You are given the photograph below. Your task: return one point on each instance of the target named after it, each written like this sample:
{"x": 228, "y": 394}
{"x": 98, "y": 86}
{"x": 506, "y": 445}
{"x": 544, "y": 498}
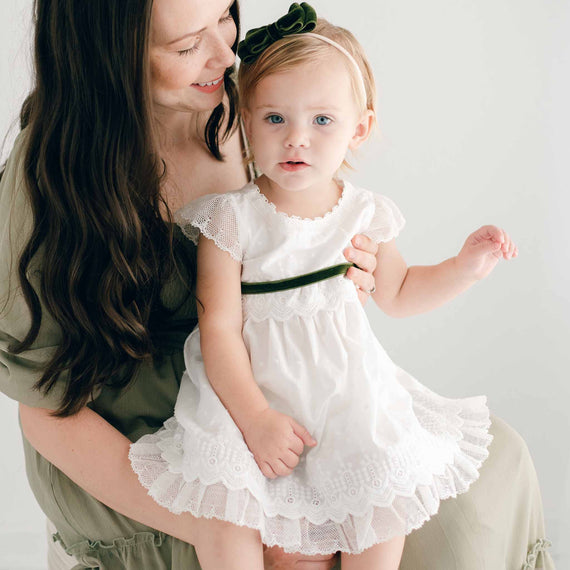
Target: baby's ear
{"x": 363, "y": 129}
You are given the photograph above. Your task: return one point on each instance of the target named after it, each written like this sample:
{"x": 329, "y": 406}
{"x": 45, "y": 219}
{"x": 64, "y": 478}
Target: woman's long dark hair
{"x": 93, "y": 177}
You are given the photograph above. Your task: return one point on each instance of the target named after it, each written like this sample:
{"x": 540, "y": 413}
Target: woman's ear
{"x": 363, "y": 129}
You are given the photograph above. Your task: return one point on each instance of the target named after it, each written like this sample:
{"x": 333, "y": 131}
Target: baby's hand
{"x": 276, "y": 441}
{"x": 482, "y": 251}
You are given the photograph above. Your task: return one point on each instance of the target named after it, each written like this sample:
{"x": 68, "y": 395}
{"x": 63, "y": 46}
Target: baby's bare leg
{"x": 383, "y": 556}
{"x": 277, "y": 559}
{"x": 224, "y": 546}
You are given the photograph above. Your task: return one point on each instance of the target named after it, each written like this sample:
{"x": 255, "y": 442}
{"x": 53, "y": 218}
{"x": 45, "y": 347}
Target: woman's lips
{"x": 293, "y": 165}
{"x": 209, "y": 86}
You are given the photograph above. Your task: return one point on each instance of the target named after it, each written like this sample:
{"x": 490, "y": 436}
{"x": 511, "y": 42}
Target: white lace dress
{"x": 388, "y": 448}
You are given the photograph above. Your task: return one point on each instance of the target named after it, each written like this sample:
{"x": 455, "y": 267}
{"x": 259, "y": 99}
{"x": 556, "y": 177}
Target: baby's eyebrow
{"x": 312, "y": 108}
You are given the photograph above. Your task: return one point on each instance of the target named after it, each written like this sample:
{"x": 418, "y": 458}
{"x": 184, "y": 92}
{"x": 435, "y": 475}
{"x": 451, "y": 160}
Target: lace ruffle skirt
{"x": 389, "y": 449}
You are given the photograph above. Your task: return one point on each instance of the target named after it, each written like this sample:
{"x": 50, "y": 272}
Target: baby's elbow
{"x": 392, "y": 307}
{"x": 388, "y": 307}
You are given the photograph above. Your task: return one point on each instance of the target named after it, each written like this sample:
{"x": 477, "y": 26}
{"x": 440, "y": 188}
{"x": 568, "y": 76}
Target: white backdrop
{"x": 473, "y": 128}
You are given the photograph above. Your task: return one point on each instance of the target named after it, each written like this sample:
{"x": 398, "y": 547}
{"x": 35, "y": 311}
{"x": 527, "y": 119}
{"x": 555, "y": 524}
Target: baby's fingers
{"x": 490, "y": 232}
{"x": 290, "y": 459}
{"x": 296, "y": 445}
{"x": 302, "y": 433}
{"x": 509, "y": 248}
{"x": 281, "y": 469}
{"x": 267, "y": 470}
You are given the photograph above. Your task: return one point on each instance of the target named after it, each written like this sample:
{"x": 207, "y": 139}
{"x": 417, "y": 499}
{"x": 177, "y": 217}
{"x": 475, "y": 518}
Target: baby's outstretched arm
{"x": 276, "y": 440}
{"x": 403, "y": 291}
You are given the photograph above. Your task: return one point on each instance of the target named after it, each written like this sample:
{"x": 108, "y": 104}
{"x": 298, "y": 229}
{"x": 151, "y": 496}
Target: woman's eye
{"x": 188, "y": 51}
{"x": 226, "y": 18}
{"x": 322, "y": 120}
{"x": 191, "y": 50}
{"x": 274, "y": 119}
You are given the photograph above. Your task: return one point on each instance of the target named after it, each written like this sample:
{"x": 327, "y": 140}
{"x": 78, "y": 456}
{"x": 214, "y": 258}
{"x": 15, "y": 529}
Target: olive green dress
{"x": 497, "y": 525}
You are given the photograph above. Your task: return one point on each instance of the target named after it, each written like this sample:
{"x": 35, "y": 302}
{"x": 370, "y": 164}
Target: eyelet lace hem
{"x": 375, "y": 503}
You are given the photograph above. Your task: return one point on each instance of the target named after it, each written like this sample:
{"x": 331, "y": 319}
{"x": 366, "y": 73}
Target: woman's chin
{"x": 198, "y": 103}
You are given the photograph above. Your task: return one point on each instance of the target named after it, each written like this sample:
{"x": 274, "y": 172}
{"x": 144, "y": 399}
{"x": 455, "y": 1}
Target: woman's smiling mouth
{"x": 209, "y": 86}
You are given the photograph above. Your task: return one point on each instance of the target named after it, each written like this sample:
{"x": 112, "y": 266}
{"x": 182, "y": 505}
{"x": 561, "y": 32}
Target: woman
{"x": 132, "y": 110}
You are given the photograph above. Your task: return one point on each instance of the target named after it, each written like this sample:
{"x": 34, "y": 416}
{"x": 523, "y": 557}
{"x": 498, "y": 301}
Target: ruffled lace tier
{"x": 358, "y": 509}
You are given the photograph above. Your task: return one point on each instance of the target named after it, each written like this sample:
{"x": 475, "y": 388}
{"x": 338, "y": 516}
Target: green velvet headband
{"x": 301, "y": 19}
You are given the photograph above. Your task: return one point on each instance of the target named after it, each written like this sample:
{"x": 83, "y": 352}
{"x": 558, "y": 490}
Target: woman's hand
{"x": 276, "y": 441}
{"x": 482, "y": 251}
{"x": 362, "y": 254}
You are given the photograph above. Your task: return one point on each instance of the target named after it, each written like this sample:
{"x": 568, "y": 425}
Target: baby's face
{"x": 301, "y": 123}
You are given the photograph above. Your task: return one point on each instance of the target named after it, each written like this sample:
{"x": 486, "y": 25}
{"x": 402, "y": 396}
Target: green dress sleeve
{"x": 19, "y": 373}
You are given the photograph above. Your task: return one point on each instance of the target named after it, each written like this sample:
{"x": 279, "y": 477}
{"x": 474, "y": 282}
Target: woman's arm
{"x": 275, "y": 439}
{"x": 403, "y": 291}
{"x": 94, "y": 455}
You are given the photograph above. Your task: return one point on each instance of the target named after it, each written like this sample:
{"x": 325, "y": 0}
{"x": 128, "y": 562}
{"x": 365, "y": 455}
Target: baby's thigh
{"x": 277, "y": 559}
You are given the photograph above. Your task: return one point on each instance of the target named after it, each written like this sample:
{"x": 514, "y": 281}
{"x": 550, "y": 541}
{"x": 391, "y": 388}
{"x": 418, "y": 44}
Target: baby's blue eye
{"x": 322, "y": 120}
{"x": 274, "y": 119}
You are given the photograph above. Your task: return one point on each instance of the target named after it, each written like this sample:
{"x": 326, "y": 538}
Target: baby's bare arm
{"x": 403, "y": 291}
{"x": 275, "y": 439}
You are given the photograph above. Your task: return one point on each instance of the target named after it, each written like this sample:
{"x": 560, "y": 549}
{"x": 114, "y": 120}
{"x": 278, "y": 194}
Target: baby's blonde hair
{"x": 291, "y": 51}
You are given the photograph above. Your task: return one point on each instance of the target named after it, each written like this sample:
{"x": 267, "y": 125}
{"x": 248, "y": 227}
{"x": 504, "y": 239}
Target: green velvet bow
{"x": 300, "y": 18}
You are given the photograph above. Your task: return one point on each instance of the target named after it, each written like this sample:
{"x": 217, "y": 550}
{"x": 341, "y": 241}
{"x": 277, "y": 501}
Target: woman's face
{"x": 190, "y": 49}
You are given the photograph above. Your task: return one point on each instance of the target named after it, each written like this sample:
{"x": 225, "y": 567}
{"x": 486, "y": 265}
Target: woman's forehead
{"x": 175, "y": 19}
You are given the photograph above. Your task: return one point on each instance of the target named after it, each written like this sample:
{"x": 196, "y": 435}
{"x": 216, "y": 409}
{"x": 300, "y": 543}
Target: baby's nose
{"x": 297, "y": 138}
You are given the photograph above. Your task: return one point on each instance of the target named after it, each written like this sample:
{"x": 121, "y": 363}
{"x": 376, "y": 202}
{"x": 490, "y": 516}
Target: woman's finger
{"x": 362, "y": 279}
{"x": 364, "y": 243}
{"x": 364, "y": 257}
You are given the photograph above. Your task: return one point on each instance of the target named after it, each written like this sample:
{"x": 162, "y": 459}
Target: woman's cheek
{"x": 169, "y": 74}
{"x": 230, "y": 34}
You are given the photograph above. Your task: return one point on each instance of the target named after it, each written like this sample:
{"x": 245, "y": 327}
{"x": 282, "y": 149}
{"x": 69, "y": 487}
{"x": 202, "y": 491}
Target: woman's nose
{"x": 222, "y": 54}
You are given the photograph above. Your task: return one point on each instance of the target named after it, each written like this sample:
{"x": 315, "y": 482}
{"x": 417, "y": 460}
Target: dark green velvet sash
{"x": 294, "y": 282}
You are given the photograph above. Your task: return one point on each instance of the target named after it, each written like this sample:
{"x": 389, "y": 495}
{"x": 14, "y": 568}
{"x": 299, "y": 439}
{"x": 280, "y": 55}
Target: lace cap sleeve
{"x": 214, "y": 217}
{"x": 387, "y": 220}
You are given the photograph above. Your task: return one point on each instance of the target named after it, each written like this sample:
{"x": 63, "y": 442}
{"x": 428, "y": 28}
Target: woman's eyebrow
{"x": 190, "y": 34}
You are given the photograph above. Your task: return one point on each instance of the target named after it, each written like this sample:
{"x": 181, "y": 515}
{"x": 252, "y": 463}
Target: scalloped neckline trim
{"x": 292, "y": 217}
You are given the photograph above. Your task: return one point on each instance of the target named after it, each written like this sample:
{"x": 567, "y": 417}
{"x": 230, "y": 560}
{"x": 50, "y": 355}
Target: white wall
{"x": 474, "y": 125}
{"x": 22, "y": 534}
